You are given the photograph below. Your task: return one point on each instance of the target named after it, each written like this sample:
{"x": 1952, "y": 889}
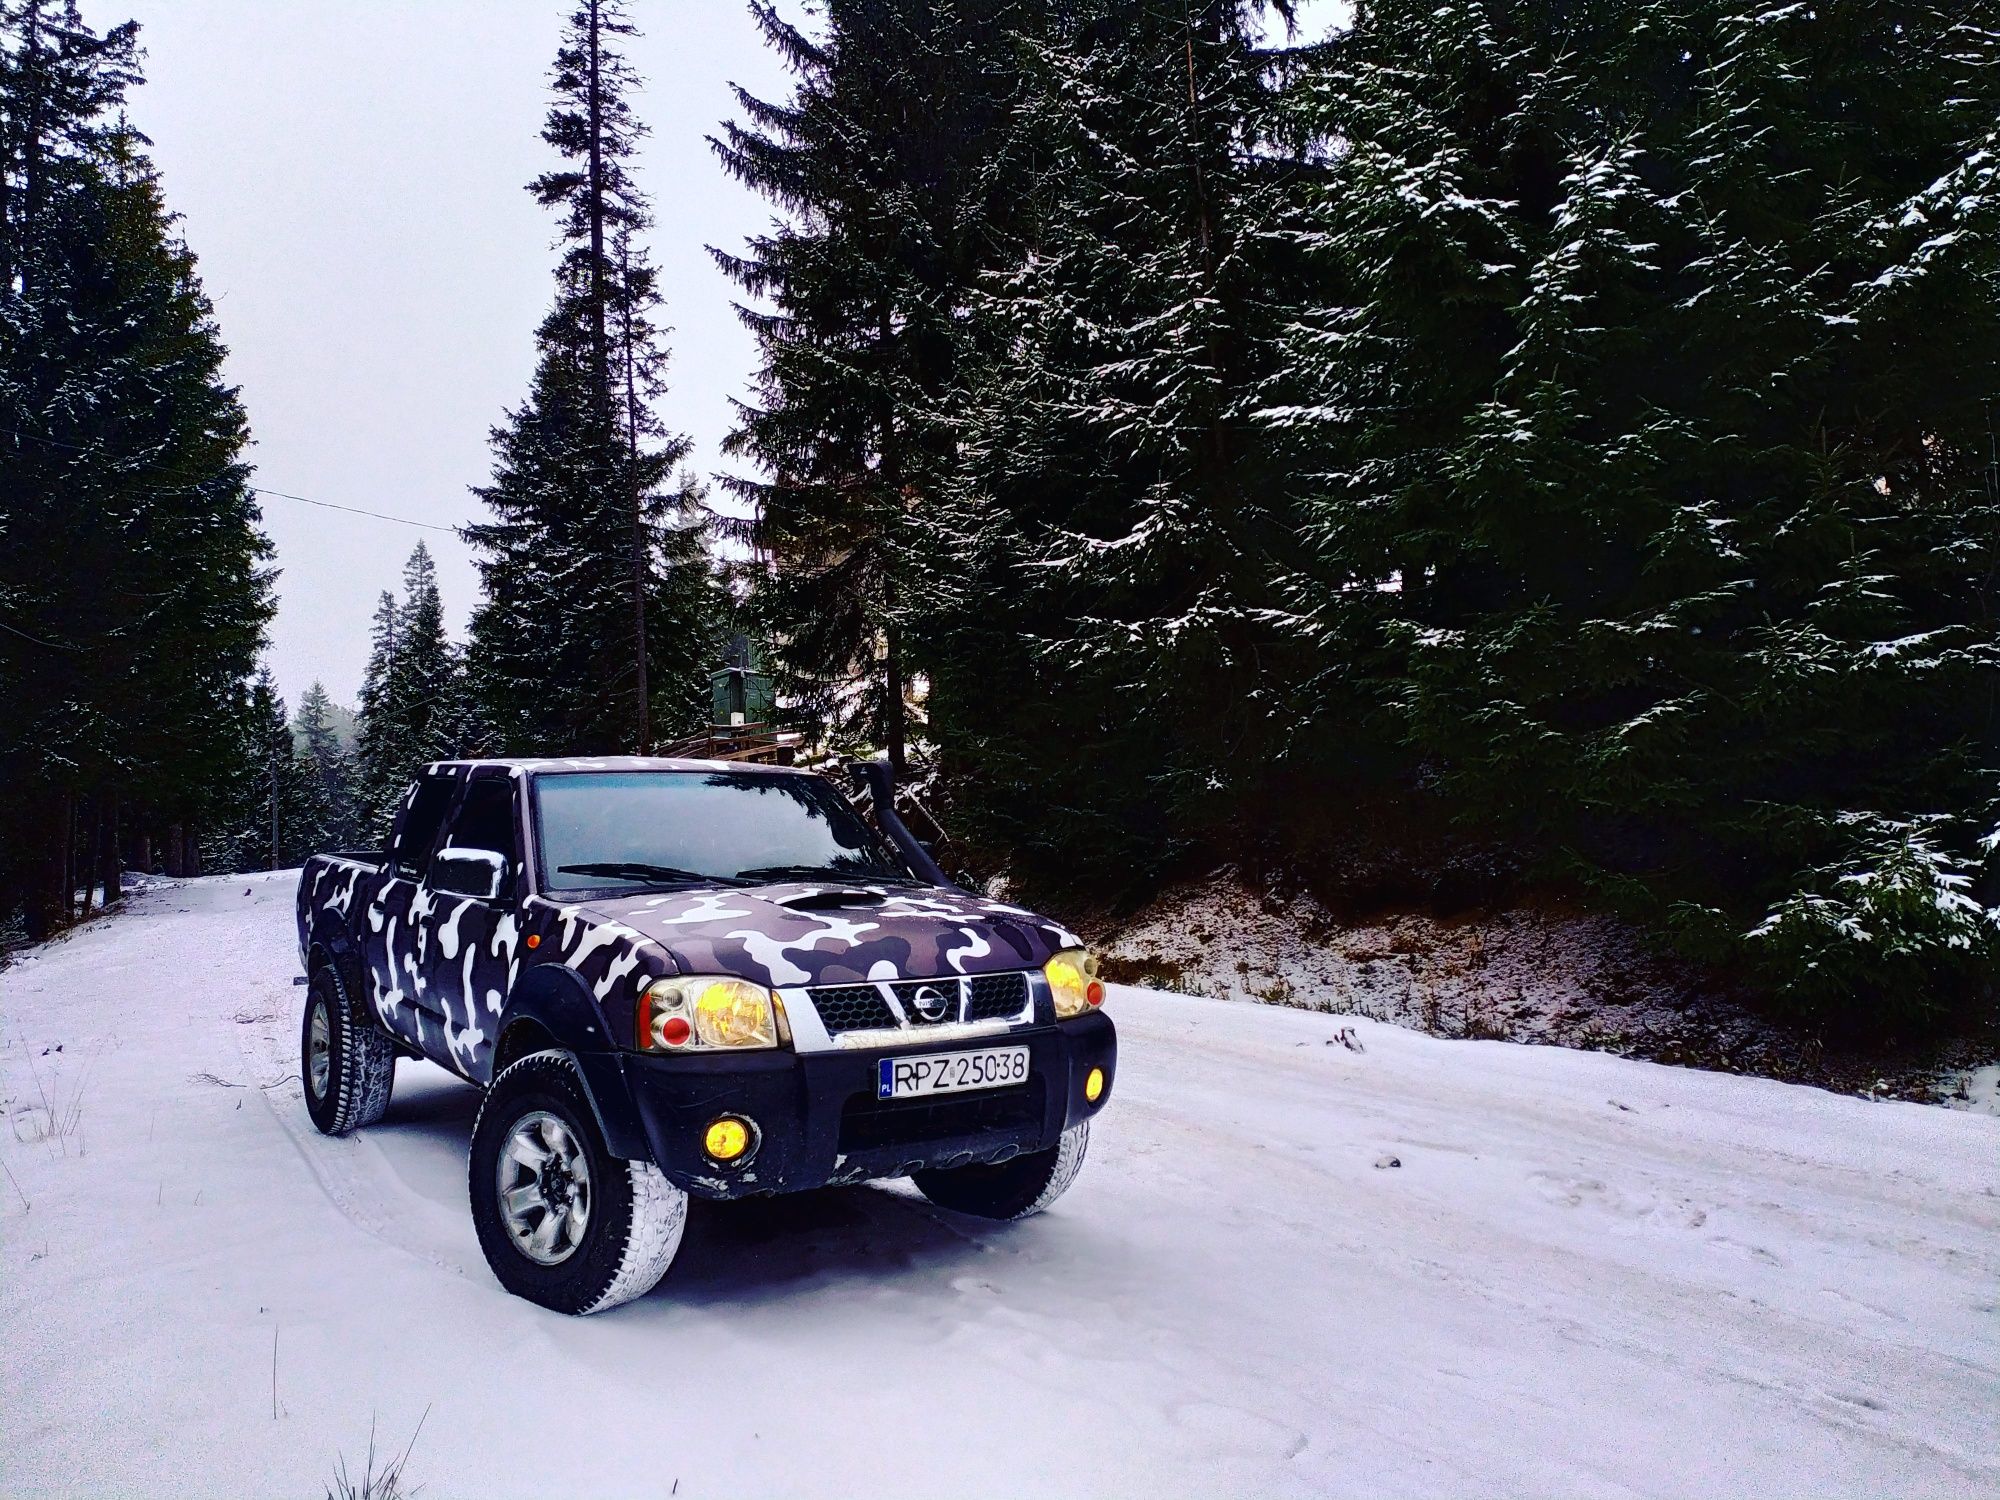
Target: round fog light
{"x": 726, "y": 1139}
{"x": 1093, "y": 1085}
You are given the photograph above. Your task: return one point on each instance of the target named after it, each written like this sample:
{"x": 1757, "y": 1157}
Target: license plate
{"x": 950, "y": 1072}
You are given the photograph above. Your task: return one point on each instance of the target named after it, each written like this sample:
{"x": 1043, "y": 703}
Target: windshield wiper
{"x": 819, "y": 872}
{"x": 610, "y": 870}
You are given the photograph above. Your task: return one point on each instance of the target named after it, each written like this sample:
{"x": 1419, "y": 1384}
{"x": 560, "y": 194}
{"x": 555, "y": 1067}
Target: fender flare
{"x": 332, "y": 944}
{"x": 559, "y": 1004}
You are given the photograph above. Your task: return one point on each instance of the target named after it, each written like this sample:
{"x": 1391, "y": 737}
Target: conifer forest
{"x": 1509, "y": 444}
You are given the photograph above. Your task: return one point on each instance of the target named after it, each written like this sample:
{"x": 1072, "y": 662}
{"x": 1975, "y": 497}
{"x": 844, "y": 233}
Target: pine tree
{"x": 1099, "y": 616}
{"x": 599, "y": 602}
{"x": 890, "y": 163}
{"x": 1650, "y": 405}
{"x": 328, "y": 771}
{"x": 380, "y": 755}
{"x": 132, "y": 576}
{"x": 266, "y": 819}
{"x": 414, "y": 697}
{"x": 423, "y": 666}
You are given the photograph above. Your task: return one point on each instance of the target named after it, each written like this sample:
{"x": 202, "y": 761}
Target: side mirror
{"x": 479, "y": 873}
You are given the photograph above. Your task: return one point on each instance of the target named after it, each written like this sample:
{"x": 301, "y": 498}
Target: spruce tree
{"x": 598, "y": 608}
{"x": 1651, "y": 394}
{"x": 266, "y": 818}
{"x": 891, "y": 163}
{"x": 1098, "y": 615}
{"x": 423, "y": 666}
{"x": 132, "y": 575}
{"x": 329, "y": 772}
{"x": 414, "y": 697}
{"x": 379, "y": 752}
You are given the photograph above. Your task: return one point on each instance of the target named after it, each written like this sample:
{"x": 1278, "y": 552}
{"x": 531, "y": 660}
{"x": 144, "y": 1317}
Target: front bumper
{"x": 818, "y": 1120}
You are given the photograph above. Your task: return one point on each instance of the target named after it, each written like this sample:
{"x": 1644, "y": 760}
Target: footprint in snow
{"x": 1222, "y": 1428}
{"x": 1755, "y": 1252}
{"x": 1635, "y": 1209}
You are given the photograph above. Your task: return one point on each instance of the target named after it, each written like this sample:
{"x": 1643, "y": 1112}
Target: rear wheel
{"x": 562, "y": 1221}
{"x": 347, "y": 1062}
{"x": 1013, "y": 1189}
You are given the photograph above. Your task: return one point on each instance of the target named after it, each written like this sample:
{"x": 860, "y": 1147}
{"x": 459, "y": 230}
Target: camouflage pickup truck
{"x": 691, "y": 978}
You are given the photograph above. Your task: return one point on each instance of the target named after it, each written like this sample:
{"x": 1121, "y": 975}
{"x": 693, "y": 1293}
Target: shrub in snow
{"x": 1896, "y": 921}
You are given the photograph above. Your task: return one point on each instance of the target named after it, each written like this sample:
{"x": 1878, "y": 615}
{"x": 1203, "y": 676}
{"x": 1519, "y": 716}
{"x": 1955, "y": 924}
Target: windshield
{"x": 645, "y": 828}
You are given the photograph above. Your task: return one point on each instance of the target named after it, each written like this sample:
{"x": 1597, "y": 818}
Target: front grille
{"x": 865, "y": 1007}
{"x": 997, "y": 997}
{"x": 851, "y": 1007}
{"x": 950, "y": 990}
{"x": 867, "y": 1123}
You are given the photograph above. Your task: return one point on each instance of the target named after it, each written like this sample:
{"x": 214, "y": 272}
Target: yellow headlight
{"x": 732, "y": 1013}
{"x": 1073, "y": 982}
{"x": 1093, "y": 1085}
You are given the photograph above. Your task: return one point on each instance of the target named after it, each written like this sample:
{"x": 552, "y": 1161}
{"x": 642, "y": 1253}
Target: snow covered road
{"x": 1587, "y": 1276}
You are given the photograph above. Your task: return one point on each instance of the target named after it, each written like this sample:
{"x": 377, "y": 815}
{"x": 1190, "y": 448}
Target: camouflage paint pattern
{"x": 438, "y": 969}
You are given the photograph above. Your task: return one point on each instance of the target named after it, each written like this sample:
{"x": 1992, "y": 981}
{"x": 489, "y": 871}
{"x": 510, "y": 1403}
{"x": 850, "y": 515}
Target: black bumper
{"x": 818, "y": 1119}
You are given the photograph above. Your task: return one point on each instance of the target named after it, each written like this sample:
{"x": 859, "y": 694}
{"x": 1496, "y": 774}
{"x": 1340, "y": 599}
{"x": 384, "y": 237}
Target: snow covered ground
{"x": 1546, "y": 971}
{"x": 1587, "y": 1276}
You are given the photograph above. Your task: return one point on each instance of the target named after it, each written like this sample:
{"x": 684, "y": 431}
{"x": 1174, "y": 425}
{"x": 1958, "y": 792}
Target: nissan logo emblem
{"x": 930, "y": 1003}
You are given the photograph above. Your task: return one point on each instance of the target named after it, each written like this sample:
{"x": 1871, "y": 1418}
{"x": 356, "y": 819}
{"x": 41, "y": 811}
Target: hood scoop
{"x": 831, "y": 900}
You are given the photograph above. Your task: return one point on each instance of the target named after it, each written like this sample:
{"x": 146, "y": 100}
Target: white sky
{"x": 351, "y": 177}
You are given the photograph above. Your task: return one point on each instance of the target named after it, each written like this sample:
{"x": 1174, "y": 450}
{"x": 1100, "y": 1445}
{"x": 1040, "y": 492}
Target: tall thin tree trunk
{"x": 47, "y": 905}
{"x": 639, "y": 559}
{"x": 892, "y": 686}
{"x": 31, "y": 153}
{"x": 108, "y": 869}
{"x": 599, "y": 348}
{"x": 72, "y": 817}
{"x": 892, "y": 482}
{"x": 86, "y": 855}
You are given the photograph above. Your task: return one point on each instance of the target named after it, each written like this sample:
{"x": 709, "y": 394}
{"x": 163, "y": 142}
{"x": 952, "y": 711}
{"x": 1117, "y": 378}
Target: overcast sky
{"x": 351, "y": 177}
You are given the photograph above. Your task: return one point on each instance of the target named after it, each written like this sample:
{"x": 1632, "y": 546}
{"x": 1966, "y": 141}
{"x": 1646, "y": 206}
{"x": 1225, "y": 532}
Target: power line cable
{"x": 352, "y": 510}
{"x": 52, "y": 645}
{"x": 254, "y": 489}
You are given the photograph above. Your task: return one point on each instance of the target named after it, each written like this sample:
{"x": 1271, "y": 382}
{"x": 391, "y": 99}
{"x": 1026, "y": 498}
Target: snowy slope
{"x": 1588, "y": 1276}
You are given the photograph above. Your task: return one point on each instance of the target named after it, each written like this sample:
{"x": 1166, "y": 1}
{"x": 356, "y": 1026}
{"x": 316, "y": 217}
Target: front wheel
{"x": 348, "y": 1064}
{"x": 562, "y": 1221}
{"x": 1013, "y": 1189}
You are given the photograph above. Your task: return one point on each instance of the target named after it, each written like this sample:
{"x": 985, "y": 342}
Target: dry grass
{"x": 388, "y": 1484}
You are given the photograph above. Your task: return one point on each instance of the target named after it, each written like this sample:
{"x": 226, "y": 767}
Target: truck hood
{"x": 800, "y": 934}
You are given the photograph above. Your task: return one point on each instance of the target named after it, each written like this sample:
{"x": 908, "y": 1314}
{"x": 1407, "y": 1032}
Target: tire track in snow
{"x": 357, "y": 1179}
{"x": 1607, "y": 1302}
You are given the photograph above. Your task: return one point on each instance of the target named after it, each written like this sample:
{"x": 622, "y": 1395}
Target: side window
{"x": 417, "y": 830}
{"x": 486, "y": 820}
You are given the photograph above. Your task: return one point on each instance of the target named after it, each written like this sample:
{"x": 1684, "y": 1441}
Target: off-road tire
{"x": 361, "y": 1059}
{"x": 636, "y": 1215}
{"x": 1013, "y": 1189}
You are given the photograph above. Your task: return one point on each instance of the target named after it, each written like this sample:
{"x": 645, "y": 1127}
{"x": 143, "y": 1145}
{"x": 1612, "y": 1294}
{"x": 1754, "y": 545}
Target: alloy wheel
{"x": 543, "y": 1181}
